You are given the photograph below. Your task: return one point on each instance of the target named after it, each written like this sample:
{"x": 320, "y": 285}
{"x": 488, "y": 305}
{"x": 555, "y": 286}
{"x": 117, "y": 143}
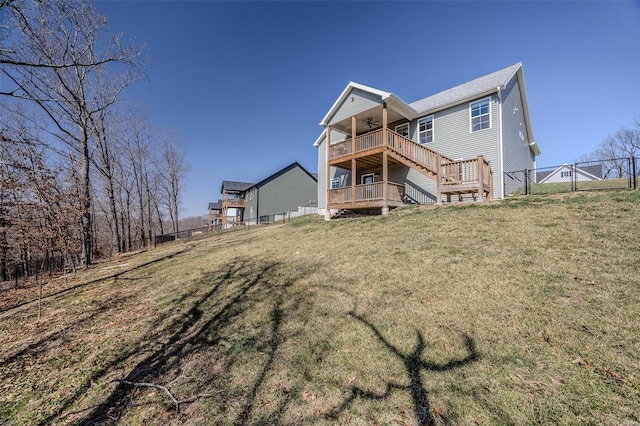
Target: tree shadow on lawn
{"x": 414, "y": 365}
{"x": 115, "y": 276}
{"x": 245, "y": 284}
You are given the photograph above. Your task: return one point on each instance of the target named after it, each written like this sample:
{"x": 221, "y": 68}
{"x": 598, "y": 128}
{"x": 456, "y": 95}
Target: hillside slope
{"x": 513, "y": 312}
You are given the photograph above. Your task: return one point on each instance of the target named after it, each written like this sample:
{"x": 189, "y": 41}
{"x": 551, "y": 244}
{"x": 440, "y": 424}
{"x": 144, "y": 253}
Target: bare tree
{"x": 54, "y": 56}
{"x": 171, "y": 174}
{"x": 615, "y": 151}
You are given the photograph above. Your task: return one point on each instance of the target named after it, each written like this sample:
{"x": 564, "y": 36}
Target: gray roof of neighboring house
{"x": 232, "y": 186}
{"x": 283, "y": 171}
{"x": 216, "y": 206}
{"x": 467, "y": 90}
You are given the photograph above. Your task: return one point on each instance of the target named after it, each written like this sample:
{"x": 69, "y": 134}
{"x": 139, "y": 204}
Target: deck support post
{"x": 385, "y": 191}
{"x": 480, "y": 178}
{"x": 354, "y": 172}
{"x": 327, "y": 212}
{"x": 439, "y": 178}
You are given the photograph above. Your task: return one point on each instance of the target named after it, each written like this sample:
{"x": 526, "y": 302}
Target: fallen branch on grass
{"x": 167, "y": 391}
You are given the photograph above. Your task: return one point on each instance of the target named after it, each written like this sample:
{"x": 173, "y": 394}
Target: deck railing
{"x": 364, "y": 142}
{"x": 415, "y": 152}
{"x": 234, "y": 202}
{"x": 407, "y": 148}
{"x": 466, "y": 171}
{"x": 367, "y": 192}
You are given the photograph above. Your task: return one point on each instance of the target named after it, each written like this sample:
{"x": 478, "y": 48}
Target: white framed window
{"x": 403, "y": 130}
{"x": 425, "y": 129}
{"x": 480, "y": 114}
{"x": 565, "y": 174}
{"x": 368, "y": 178}
{"x": 335, "y": 183}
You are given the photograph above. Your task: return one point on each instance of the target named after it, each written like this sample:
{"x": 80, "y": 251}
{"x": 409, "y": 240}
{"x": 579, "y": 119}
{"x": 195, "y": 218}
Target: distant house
{"x": 283, "y": 191}
{"x": 215, "y": 214}
{"x": 233, "y": 201}
{"x": 377, "y": 151}
{"x": 569, "y": 173}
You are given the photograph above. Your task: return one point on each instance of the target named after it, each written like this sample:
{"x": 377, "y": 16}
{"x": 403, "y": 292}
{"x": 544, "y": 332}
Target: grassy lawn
{"x": 519, "y": 311}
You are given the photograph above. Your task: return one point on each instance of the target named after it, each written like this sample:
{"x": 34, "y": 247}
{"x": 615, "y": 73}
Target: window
{"x": 480, "y": 114}
{"x": 335, "y": 183}
{"x": 565, "y": 174}
{"x": 368, "y": 178}
{"x": 425, "y": 129}
{"x": 403, "y": 130}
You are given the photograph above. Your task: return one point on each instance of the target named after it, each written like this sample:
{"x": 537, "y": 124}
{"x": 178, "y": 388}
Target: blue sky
{"x": 246, "y": 83}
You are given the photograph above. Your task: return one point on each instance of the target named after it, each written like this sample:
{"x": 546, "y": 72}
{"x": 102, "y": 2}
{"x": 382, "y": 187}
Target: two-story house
{"x": 283, "y": 191}
{"x": 377, "y": 152}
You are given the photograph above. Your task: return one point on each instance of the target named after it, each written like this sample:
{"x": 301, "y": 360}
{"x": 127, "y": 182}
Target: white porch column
{"x": 327, "y": 212}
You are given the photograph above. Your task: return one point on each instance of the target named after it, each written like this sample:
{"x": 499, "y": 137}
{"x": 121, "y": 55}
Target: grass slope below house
{"x": 512, "y": 312}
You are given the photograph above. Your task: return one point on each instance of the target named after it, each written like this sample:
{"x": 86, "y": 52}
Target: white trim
{"x": 433, "y": 131}
{"x": 488, "y": 99}
{"x": 345, "y": 93}
{"x": 500, "y": 145}
{"x": 392, "y": 101}
{"x": 336, "y": 179}
{"x": 318, "y": 141}
{"x": 373, "y": 176}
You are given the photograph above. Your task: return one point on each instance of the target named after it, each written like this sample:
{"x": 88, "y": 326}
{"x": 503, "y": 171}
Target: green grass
{"x": 520, "y": 311}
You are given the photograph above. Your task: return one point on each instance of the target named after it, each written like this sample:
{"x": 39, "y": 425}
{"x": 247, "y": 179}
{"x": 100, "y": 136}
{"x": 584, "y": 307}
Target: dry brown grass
{"x": 515, "y": 312}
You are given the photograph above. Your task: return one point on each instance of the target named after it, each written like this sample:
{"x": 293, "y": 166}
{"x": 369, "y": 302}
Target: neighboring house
{"x": 377, "y": 151}
{"x": 283, "y": 191}
{"x": 568, "y": 173}
{"x": 233, "y": 201}
{"x": 286, "y": 190}
{"x": 215, "y": 214}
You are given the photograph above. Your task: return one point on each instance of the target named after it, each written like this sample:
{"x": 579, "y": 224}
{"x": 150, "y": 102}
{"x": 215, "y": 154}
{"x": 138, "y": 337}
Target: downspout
{"x": 501, "y": 175}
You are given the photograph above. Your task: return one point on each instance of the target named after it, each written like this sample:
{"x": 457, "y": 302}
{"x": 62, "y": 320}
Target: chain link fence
{"x": 615, "y": 173}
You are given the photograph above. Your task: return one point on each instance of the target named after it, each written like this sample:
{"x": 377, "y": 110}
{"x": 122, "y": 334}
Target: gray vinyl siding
{"x": 452, "y": 137}
{"x": 356, "y": 102}
{"x": 516, "y": 152}
{"x": 250, "y": 210}
{"x": 419, "y": 189}
{"x": 287, "y": 192}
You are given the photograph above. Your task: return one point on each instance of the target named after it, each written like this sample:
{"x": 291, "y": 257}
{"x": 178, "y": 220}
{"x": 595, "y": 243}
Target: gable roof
{"x": 392, "y": 100}
{"x": 589, "y": 171}
{"x": 232, "y": 186}
{"x": 281, "y": 172}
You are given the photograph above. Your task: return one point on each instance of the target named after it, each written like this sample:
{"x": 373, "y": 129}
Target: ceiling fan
{"x": 371, "y": 122}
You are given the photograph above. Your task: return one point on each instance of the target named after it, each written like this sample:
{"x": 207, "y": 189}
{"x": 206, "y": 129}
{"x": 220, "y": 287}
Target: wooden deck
{"x": 366, "y": 196}
{"x": 384, "y": 146}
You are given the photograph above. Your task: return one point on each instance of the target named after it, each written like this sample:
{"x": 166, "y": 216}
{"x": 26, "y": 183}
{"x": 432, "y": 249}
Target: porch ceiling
{"x": 366, "y": 163}
{"x": 362, "y": 118}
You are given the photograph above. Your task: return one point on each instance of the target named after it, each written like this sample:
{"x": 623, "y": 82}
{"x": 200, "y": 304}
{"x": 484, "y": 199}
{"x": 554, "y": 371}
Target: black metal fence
{"x": 616, "y": 173}
{"x": 187, "y": 234}
{"x": 15, "y": 270}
